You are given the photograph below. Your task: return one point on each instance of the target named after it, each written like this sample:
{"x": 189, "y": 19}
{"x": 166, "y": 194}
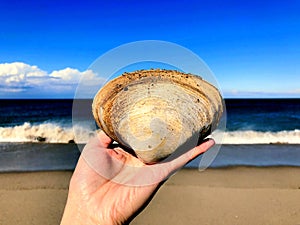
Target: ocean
{"x": 46, "y": 134}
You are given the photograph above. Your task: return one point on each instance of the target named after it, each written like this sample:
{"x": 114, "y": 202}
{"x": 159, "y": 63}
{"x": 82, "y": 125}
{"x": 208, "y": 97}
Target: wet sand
{"x": 239, "y": 195}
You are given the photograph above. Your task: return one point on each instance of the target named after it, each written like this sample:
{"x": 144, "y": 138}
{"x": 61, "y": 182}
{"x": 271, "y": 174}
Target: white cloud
{"x": 18, "y": 71}
{"x": 67, "y": 74}
{"x": 20, "y": 77}
{"x": 16, "y": 76}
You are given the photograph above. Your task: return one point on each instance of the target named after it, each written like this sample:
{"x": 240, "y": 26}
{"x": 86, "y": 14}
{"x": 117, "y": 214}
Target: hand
{"x": 110, "y": 186}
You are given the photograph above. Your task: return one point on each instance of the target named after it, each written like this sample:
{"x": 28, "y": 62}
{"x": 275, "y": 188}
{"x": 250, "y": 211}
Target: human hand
{"x": 110, "y": 186}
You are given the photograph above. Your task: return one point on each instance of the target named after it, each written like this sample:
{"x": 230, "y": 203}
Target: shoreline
{"x": 51, "y": 157}
{"x": 234, "y": 195}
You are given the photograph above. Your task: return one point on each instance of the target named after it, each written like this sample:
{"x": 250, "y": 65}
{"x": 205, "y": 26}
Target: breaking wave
{"x": 45, "y": 132}
{"x": 257, "y": 137}
{"x": 57, "y": 133}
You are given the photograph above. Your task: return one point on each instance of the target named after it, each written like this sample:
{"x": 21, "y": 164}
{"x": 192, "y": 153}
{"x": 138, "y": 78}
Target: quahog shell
{"x": 154, "y": 112}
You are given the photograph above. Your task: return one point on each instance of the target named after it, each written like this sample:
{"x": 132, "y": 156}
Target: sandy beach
{"x": 230, "y": 196}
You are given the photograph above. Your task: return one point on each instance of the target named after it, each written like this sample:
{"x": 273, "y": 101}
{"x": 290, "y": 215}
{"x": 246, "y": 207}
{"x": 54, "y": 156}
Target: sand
{"x": 215, "y": 197}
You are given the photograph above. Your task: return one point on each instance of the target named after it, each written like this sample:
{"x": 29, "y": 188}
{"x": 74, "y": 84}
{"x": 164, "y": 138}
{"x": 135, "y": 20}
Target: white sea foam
{"x": 256, "y": 137}
{"x": 57, "y": 133}
{"x": 50, "y": 132}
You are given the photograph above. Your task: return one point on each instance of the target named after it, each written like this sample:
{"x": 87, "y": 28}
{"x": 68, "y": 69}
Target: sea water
{"x": 259, "y": 132}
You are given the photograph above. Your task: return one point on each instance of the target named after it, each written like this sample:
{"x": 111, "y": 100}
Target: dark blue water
{"x": 21, "y": 119}
{"x": 263, "y": 114}
{"x": 242, "y": 114}
{"x": 17, "y": 112}
{"x": 40, "y": 156}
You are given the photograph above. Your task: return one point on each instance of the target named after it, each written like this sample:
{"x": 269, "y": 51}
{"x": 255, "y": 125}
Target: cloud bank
{"x": 20, "y": 80}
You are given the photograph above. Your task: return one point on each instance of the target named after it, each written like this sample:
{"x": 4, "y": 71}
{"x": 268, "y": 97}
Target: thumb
{"x": 175, "y": 164}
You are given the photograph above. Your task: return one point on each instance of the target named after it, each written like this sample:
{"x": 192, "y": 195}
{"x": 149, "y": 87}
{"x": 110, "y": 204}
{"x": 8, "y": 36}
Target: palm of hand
{"x": 113, "y": 198}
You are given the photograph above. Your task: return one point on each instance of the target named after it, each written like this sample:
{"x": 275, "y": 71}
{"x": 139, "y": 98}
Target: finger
{"x": 124, "y": 168}
{"x": 104, "y": 161}
{"x": 192, "y": 154}
{"x": 100, "y": 140}
{"x": 203, "y": 147}
{"x": 97, "y": 157}
{"x": 156, "y": 173}
{"x": 104, "y": 140}
{"x": 170, "y": 167}
{"x": 128, "y": 158}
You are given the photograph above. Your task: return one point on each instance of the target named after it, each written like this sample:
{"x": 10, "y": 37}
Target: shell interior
{"x": 154, "y": 112}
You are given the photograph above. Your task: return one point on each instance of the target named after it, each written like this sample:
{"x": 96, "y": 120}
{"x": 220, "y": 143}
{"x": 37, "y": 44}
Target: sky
{"x": 252, "y": 47}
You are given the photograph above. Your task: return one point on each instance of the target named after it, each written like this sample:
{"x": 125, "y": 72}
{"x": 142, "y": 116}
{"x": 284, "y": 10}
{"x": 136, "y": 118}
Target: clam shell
{"x": 154, "y": 112}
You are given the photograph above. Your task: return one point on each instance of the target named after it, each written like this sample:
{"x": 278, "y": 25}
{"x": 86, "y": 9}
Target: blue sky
{"x": 253, "y": 47}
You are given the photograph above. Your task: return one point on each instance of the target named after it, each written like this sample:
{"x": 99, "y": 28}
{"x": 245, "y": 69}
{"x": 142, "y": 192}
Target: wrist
{"x": 74, "y": 215}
